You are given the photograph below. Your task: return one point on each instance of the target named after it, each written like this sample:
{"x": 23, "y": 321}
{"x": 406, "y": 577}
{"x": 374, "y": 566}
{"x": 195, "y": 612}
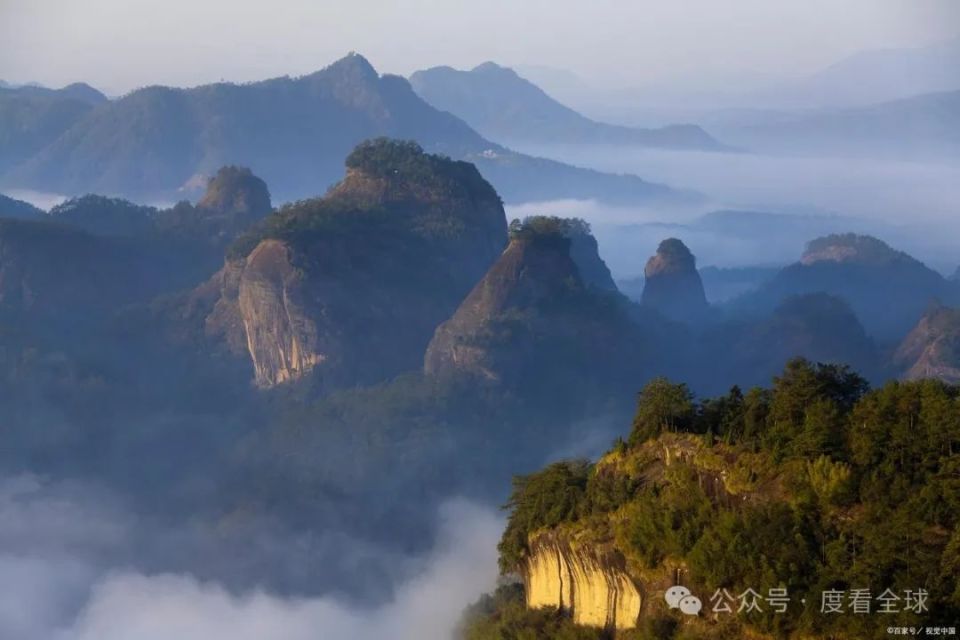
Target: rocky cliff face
{"x": 672, "y": 284}
{"x": 851, "y": 248}
{"x": 932, "y": 348}
{"x": 352, "y": 285}
{"x": 533, "y": 317}
{"x": 281, "y": 336}
{"x": 478, "y": 338}
{"x": 591, "y": 585}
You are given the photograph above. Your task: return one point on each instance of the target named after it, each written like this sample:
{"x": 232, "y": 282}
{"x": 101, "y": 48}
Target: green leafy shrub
{"x": 541, "y": 500}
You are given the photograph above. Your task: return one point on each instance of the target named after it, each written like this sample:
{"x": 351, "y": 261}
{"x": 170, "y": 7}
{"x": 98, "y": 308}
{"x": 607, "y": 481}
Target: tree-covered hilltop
{"x": 394, "y": 186}
{"x": 405, "y": 161}
{"x": 813, "y": 484}
{"x": 12, "y": 208}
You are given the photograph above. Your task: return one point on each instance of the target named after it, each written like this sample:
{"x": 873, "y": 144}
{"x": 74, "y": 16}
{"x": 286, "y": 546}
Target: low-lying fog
{"x": 912, "y": 206}
{"x": 72, "y": 567}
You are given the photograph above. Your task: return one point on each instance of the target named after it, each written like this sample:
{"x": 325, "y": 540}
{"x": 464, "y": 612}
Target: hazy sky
{"x": 121, "y": 44}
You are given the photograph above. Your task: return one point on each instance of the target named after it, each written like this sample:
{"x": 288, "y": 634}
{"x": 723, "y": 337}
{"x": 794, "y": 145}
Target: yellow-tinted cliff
{"x": 592, "y": 586}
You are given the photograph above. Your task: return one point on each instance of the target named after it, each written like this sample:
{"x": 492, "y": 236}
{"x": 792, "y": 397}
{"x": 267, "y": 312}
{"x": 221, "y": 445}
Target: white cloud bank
{"x": 57, "y": 583}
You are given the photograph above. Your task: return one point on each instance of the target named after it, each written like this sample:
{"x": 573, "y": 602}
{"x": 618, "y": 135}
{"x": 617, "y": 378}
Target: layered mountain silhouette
{"x": 506, "y": 107}
{"x": 876, "y": 75}
{"x": 33, "y": 117}
{"x": 887, "y": 289}
{"x": 294, "y": 132}
{"x": 816, "y": 326}
{"x": 922, "y": 127}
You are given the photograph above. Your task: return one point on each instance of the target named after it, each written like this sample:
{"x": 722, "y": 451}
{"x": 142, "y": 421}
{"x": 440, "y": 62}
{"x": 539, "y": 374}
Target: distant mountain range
{"x": 722, "y": 101}
{"x": 505, "y": 107}
{"x": 875, "y": 75}
{"x": 156, "y": 142}
{"x": 32, "y": 117}
{"x": 923, "y": 126}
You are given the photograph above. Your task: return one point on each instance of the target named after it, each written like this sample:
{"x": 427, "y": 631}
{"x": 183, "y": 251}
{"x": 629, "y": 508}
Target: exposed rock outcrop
{"x": 534, "y": 270}
{"x": 236, "y": 192}
{"x": 353, "y": 285}
{"x": 281, "y": 335}
{"x": 932, "y": 348}
{"x": 533, "y": 317}
{"x": 672, "y": 285}
{"x": 593, "y": 586}
{"x": 851, "y": 248}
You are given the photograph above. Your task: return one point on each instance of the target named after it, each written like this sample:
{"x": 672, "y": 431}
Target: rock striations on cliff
{"x": 351, "y": 286}
{"x": 592, "y": 585}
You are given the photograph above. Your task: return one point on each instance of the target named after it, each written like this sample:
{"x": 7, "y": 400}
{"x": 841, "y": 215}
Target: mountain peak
{"x": 506, "y": 107}
{"x": 583, "y": 246}
{"x": 353, "y": 64}
{"x": 673, "y": 285}
{"x": 533, "y": 273}
{"x": 491, "y": 67}
{"x": 533, "y": 315}
{"x": 235, "y": 190}
{"x": 12, "y": 208}
{"x": 851, "y": 248}
{"x": 672, "y": 257}
{"x": 303, "y": 284}
{"x": 384, "y": 170}
{"x": 84, "y": 92}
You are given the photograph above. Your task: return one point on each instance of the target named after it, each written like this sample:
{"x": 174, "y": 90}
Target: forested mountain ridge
{"x": 33, "y": 117}
{"x": 815, "y": 484}
{"x": 293, "y": 132}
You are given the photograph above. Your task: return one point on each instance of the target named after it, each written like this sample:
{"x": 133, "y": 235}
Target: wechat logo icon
{"x": 680, "y": 598}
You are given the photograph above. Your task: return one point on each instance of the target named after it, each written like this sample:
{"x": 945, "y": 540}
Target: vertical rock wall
{"x": 593, "y": 587}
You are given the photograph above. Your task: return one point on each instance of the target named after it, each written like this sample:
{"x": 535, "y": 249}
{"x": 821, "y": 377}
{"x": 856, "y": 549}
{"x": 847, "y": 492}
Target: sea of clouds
{"x": 70, "y": 569}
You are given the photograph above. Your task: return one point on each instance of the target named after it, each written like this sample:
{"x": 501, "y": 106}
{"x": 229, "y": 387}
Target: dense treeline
{"x": 837, "y": 487}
